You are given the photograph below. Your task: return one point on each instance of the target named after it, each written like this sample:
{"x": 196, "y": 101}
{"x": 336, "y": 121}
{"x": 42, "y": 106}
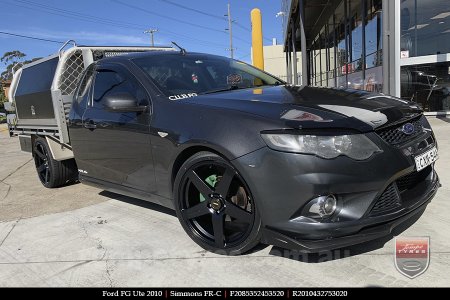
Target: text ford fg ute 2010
{"x": 241, "y": 156}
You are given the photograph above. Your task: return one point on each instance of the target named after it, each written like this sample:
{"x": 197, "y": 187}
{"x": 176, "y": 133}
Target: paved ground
{"x": 81, "y": 236}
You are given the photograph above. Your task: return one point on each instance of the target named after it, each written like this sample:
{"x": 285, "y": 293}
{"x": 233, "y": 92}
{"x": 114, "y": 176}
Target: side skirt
{"x": 126, "y": 191}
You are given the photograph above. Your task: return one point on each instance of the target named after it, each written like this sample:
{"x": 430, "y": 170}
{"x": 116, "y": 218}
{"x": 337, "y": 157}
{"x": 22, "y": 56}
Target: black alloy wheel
{"x": 42, "y": 161}
{"x": 215, "y": 205}
{"x": 52, "y": 173}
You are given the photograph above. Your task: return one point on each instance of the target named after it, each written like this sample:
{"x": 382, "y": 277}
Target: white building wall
{"x": 275, "y": 61}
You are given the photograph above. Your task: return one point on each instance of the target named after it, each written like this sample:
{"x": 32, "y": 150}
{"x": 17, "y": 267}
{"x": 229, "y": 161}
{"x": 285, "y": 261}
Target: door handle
{"x": 90, "y": 125}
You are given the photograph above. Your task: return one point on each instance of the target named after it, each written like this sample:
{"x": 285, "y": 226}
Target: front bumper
{"x": 283, "y": 183}
{"x": 365, "y": 231}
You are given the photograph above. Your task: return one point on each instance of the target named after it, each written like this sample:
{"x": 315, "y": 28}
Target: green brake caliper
{"x": 211, "y": 181}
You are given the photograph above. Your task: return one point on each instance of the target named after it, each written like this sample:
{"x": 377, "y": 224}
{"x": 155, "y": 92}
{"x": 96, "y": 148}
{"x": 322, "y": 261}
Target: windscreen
{"x": 195, "y": 74}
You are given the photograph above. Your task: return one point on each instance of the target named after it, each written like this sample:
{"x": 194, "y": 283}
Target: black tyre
{"x": 215, "y": 205}
{"x": 52, "y": 173}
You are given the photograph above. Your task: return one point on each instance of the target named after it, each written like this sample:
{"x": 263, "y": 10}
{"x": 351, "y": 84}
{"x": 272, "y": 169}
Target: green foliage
{"x": 3, "y": 99}
{"x": 13, "y": 59}
{"x": 12, "y": 56}
{"x": 10, "y": 59}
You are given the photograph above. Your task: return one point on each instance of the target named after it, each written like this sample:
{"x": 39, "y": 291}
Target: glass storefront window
{"x": 311, "y": 70}
{"x": 428, "y": 85}
{"x": 425, "y": 27}
{"x": 351, "y": 36}
{"x": 331, "y": 52}
{"x": 317, "y": 64}
{"x": 342, "y": 40}
{"x": 341, "y": 51}
{"x": 323, "y": 59}
{"x": 425, "y": 30}
{"x": 356, "y": 28}
{"x": 374, "y": 37}
{"x": 347, "y": 50}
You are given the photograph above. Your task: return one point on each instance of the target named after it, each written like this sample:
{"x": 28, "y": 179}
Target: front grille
{"x": 392, "y": 196}
{"x": 411, "y": 180}
{"x": 394, "y": 135}
{"x": 390, "y": 199}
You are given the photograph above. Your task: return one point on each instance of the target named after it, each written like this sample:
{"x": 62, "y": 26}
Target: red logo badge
{"x": 412, "y": 255}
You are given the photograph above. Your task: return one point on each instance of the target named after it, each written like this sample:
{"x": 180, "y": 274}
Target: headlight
{"x": 356, "y": 146}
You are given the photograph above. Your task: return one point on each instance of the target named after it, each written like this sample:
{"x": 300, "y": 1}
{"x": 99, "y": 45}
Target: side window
{"x": 85, "y": 84}
{"x": 109, "y": 82}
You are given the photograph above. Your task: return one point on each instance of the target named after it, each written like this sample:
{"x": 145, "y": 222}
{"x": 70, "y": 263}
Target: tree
{"x": 3, "y": 98}
{"x": 12, "y": 56}
{"x": 11, "y": 59}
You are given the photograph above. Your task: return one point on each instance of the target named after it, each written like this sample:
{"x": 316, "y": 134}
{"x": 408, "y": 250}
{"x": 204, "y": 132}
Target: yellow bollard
{"x": 257, "y": 39}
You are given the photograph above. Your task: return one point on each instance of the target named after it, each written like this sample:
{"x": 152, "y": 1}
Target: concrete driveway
{"x": 81, "y": 236}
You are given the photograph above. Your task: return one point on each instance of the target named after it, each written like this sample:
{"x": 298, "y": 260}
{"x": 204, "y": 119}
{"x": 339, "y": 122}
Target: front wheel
{"x": 52, "y": 173}
{"x": 215, "y": 205}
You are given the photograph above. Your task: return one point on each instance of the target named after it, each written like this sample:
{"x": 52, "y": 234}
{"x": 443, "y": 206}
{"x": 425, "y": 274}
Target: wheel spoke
{"x": 41, "y": 168}
{"x": 219, "y": 238}
{"x": 201, "y": 186}
{"x": 39, "y": 153}
{"x": 46, "y": 175}
{"x": 238, "y": 213}
{"x": 225, "y": 181}
{"x": 196, "y": 211}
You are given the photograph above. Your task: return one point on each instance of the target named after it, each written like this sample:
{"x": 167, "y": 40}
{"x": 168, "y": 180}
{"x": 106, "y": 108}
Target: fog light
{"x": 320, "y": 207}
{"x": 327, "y": 205}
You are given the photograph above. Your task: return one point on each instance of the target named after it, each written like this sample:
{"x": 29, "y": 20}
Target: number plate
{"x": 426, "y": 159}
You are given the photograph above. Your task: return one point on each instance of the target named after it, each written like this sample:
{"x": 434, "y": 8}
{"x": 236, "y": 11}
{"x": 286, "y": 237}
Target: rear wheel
{"x": 52, "y": 173}
{"x": 215, "y": 205}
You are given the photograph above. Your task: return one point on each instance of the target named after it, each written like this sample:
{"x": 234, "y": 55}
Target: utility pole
{"x": 230, "y": 30}
{"x": 151, "y": 32}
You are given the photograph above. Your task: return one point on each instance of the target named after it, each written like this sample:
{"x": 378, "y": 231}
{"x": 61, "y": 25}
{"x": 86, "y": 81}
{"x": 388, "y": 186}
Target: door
{"x": 117, "y": 145}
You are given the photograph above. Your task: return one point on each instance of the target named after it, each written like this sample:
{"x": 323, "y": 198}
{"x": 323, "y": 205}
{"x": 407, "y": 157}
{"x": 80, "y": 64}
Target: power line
{"x": 249, "y": 30}
{"x": 166, "y": 17}
{"x": 194, "y": 10}
{"x": 189, "y": 38}
{"x": 70, "y": 14}
{"x": 30, "y": 37}
{"x": 111, "y": 22}
{"x": 209, "y": 15}
{"x": 244, "y": 56}
{"x": 205, "y": 13}
{"x": 243, "y": 27}
{"x": 240, "y": 39}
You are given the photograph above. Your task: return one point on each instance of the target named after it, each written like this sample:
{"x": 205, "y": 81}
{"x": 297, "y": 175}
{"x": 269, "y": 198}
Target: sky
{"x": 197, "y": 25}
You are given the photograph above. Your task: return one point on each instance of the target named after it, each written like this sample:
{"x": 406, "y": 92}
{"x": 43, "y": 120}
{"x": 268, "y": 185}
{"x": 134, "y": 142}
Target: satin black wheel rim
{"x": 41, "y": 161}
{"x": 220, "y": 215}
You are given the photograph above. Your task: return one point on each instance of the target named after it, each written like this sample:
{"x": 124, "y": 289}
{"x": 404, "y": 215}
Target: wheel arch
{"x": 58, "y": 151}
{"x": 185, "y": 154}
{"x": 247, "y": 237}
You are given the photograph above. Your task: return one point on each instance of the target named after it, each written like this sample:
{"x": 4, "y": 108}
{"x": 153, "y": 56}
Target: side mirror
{"x": 123, "y": 102}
